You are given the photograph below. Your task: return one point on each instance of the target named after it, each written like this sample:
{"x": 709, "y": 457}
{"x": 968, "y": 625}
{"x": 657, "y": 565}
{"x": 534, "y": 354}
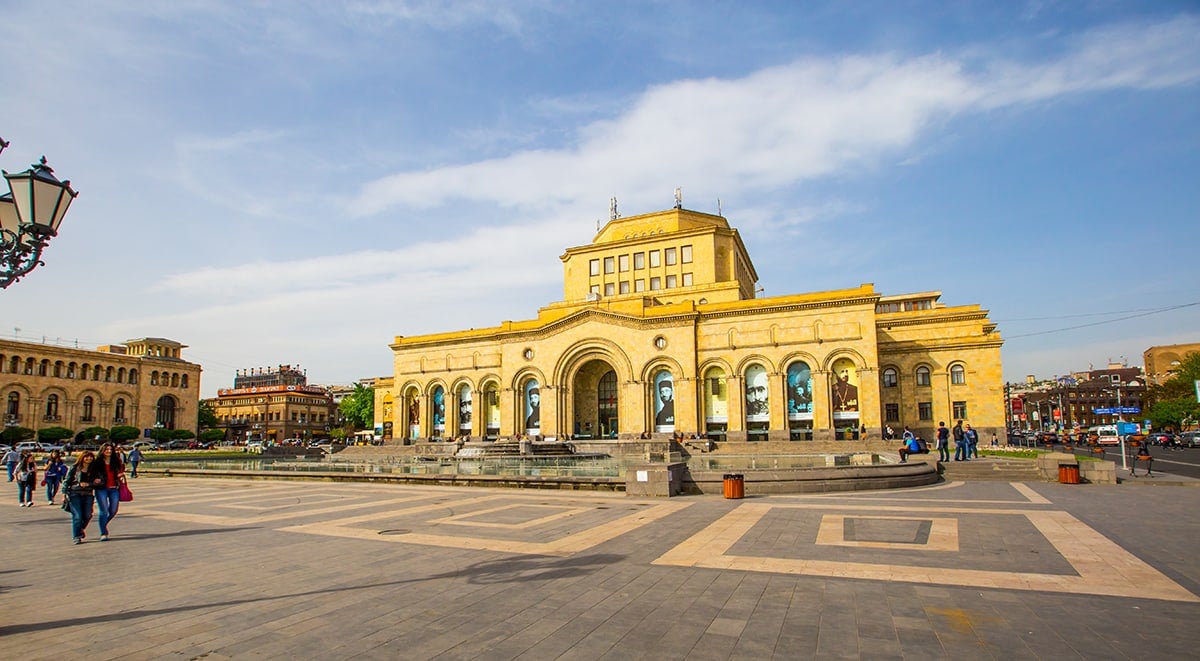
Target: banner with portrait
{"x": 533, "y": 408}
{"x": 664, "y": 402}
{"x": 799, "y": 391}
{"x": 464, "y": 409}
{"x": 438, "y": 411}
{"x": 843, "y": 391}
{"x": 758, "y": 402}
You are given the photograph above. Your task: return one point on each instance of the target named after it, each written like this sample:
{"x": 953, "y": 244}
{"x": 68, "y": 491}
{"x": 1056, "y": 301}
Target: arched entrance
{"x": 164, "y": 412}
{"x": 595, "y": 400}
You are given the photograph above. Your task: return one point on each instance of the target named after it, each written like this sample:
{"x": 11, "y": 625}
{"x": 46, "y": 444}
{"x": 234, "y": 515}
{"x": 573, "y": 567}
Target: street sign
{"x": 1118, "y": 410}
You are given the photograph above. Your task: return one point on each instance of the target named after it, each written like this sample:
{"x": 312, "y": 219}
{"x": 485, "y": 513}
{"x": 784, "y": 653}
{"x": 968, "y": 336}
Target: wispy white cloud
{"x": 783, "y": 125}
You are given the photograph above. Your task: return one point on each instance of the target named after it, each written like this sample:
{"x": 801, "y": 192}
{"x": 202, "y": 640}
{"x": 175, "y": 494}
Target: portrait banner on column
{"x": 664, "y": 402}
{"x": 533, "y": 408}
{"x": 758, "y": 402}
{"x": 799, "y": 391}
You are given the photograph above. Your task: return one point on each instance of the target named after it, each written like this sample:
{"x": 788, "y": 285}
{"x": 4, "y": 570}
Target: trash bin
{"x": 1068, "y": 473}
{"x": 734, "y": 486}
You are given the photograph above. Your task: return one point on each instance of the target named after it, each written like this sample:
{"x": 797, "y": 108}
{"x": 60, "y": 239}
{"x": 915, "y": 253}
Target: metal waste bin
{"x": 734, "y": 486}
{"x": 1068, "y": 473}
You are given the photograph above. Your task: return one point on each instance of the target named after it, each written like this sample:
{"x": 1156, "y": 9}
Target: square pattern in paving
{"x": 896, "y": 545}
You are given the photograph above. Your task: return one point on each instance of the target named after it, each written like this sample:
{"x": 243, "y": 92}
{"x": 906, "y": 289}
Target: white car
{"x": 31, "y": 446}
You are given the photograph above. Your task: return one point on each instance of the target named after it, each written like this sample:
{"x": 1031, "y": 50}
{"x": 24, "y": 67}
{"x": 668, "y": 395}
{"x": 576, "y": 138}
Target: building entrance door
{"x": 595, "y": 400}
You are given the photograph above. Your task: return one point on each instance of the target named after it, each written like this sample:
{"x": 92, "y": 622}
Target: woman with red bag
{"x": 108, "y": 493}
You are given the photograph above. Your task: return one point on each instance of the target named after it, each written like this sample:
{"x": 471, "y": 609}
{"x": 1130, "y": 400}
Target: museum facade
{"x": 660, "y": 333}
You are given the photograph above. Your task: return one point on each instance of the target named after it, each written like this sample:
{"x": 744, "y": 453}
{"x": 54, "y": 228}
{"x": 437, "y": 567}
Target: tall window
{"x": 654, "y": 259}
{"x": 925, "y": 410}
{"x": 687, "y": 279}
{"x": 623, "y": 262}
{"x": 655, "y": 283}
{"x": 624, "y": 286}
{"x": 606, "y": 395}
{"x": 891, "y": 412}
{"x": 119, "y": 410}
{"x": 672, "y": 282}
{"x": 669, "y": 256}
{"x": 639, "y": 260}
{"x": 685, "y": 254}
{"x": 958, "y": 375}
{"x": 52, "y": 407}
{"x": 922, "y": 377}
{"x": 639, "y": 285}
{"x": 594, "y": 267}
{"x": 88, "y": 404}
{"x": 14, "y": 404}
{"x": 609, "y": 289}
{"x": 609, "y": 265}
{"x": 960, "y": 410}
{"x": 890, "y": 378}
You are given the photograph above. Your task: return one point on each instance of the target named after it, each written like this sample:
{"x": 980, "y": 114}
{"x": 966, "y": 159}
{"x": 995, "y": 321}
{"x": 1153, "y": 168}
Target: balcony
{"x": 87, "y": 418}
{"x": 120, "y": 421}
{"x": 52, "y": 418}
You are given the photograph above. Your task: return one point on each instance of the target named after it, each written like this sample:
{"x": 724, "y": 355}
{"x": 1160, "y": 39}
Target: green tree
{"x": 92, "y": 432}
{"x": 122, "y": 433}
{"x": 212, "y": 435}
{"x": 1172, "y": 403}
{"x": 54, "y": 434}
{"x": 207, "y": 417}
{"x": 14, "y": 435}
{"x": 359, "y": 407}
{"x": 179, "y": 434}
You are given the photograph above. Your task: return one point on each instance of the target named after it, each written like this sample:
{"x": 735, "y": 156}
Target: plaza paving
{"x": 235, "y": 569}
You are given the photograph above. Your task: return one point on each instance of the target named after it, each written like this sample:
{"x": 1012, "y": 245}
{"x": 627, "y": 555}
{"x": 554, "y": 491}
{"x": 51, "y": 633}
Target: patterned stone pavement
{"x": 235, "y": 568}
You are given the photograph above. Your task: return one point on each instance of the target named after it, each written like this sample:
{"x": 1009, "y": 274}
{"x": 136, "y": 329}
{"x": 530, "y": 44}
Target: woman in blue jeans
{"x": 111, "y": 472}
{"x": 79, "y": 485}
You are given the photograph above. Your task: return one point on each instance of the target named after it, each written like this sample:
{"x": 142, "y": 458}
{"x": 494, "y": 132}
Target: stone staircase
{"x": 991, "y": 468}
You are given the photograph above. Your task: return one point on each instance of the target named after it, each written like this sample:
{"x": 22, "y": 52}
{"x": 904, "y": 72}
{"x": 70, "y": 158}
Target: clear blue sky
{"x": 299, "y": 182}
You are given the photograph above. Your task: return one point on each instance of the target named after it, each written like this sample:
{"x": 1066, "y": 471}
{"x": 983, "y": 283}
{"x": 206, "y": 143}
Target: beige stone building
{"x": 273, "y": 405}
{"x": 659, "y": 333}
{"x": 1162, "y": 362}
{"x": 142, "y": 383}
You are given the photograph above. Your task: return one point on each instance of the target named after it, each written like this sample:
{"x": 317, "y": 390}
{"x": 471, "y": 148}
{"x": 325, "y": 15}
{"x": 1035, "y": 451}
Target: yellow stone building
{"x": 1162, "y": 362}
{"x": 142, "y": 383}
{"x": 273, "y": 405}
{"x": 659, "y": 333}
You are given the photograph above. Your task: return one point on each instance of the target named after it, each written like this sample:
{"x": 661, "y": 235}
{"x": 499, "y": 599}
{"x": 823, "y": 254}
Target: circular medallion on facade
{"x": 660, "y": 342}
{"x": 528, "y": 353}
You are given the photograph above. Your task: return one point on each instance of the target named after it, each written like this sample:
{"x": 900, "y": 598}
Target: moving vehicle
{"x": 1189, "y": 439}
{"x": 1106, "y": 434}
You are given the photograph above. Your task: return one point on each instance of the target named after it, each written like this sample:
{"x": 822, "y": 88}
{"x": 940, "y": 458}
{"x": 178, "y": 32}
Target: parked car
{"x": 28, "y": 446}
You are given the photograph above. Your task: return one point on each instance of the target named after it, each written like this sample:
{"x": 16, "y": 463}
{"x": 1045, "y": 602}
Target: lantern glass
{"x": 9, "y": 219}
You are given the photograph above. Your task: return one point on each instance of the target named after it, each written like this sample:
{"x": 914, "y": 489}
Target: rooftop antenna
{"x": 719, "y": 206}
{"x": 612, "y": 209}
{"x": 597, "y": 224}
{"x": 678, "y": 197}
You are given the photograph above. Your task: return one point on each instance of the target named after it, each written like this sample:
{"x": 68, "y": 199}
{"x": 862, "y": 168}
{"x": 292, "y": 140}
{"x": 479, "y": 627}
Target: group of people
{"x": 92, "y": 484}
{"x": 966, "y": 442}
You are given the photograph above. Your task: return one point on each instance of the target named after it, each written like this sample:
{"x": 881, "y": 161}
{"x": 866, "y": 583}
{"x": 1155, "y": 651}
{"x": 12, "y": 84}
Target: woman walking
{"x": 78, "y": 490}
{"x": 26, "y": 476}
{"x": 55, "y": 471}
{"x": 111, "y": 472}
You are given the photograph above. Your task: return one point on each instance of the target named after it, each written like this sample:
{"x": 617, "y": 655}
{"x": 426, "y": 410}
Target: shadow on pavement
{"x": 519, "y": 569}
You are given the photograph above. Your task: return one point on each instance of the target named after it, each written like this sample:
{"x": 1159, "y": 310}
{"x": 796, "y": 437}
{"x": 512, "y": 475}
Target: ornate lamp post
{"x": 30, "y": 214}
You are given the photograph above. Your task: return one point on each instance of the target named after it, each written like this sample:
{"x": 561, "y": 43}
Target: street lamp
{"x": 30, "y": 213}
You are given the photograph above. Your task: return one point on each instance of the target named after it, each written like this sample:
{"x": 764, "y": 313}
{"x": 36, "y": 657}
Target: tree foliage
{"x": 14, "y": 435}
{"x": 91, "y": 433}
{"x": 54, "y": 434}
{"x": 359, "y": 407}
{"x": 182, "y": 434}
{"x": 1172, "y": 403}
{"x": 122, "y": 433}
{"x": 212, "y": 435}
{"x": 207, "y": 417}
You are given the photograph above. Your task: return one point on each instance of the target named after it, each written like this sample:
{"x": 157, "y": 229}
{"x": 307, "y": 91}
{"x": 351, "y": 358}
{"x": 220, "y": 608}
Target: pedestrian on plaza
{"x": 961, "y": 451}
{"x": 135, "y": 458}
{"x": 108, "y": 493}
{"x": 943, "y": 442}
{"x": 79, "y": 490}
{"x": 862, "y": 432}
{"x": 972, "y": 438}
{"x": 907, "y": 434}
{"x": 11, "y": 459}
{"x": 889, "y": 433}
{"x": 1143, "y": 454}
{"x": 995, "y": 441}
{"x": 26, "y": 477}
{"x": 52, "y": 475}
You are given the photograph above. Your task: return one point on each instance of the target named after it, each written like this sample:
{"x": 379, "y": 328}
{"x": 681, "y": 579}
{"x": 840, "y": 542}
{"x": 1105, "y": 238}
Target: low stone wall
{"x": 816, "y": 480}
{"x": 1094, "y": 472}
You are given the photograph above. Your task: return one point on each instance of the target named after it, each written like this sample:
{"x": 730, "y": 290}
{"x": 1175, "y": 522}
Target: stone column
{"x": 822, "y": 406}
